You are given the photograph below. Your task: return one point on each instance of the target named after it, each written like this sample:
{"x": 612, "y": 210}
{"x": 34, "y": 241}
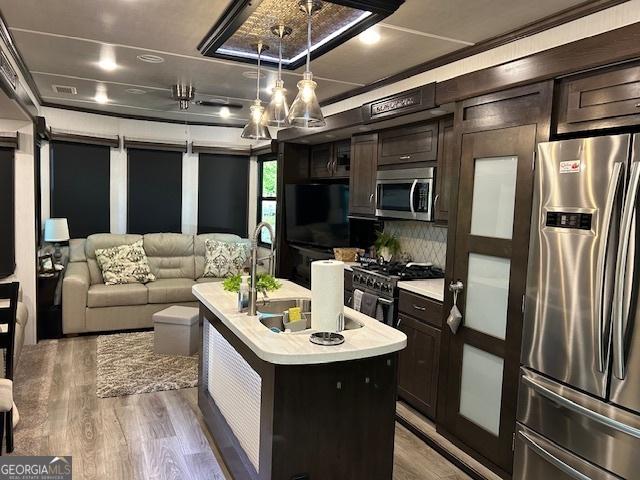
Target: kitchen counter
{"x": 373, "y": 339}
{"x": 349, "y": 265}
{"x": 285, "y": 408}
{"x": 432, "y": 288}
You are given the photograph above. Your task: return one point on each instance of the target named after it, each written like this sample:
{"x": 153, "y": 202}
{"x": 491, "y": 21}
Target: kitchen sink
{"x": 271, "y": 315}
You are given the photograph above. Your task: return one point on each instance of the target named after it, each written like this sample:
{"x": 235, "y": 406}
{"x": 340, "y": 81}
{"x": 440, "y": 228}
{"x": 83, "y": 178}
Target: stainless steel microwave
{"x": 405, "y": 194}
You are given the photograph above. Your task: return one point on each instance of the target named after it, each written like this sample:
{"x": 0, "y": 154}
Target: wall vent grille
{"x": 65, "y": 89}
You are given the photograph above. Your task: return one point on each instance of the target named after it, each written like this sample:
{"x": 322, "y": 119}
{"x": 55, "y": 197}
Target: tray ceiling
{"x": 64, "y": 41}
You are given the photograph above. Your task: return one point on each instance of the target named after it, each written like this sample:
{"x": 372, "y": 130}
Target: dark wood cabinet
{"x": 321, "y": 161}
{"x": 362, "y": 178}
{"x": 330, "y": 160}
{"x": 348, "y": 288}
{"x": 418, "y": 365}
{"x": 602, "y": 99}
{"x": 416, "y": 143}
{"x": 444, "y": 171}
{"x": 420, "y": 318}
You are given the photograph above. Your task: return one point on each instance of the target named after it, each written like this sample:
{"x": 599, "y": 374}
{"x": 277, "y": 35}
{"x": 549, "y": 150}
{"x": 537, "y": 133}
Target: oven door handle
{"x": 411, "y": 197}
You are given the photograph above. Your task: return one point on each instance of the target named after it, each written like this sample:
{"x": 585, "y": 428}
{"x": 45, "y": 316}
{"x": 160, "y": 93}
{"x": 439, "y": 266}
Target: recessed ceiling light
{"x": 135, "y": 91}
{"x": 252, "y": 75}
{"x": 225, "y": 112}
{"x": 149, "y": 58}
{"x": 101, "y": 94}
{"x": 370, "y": 36}
{"x": 330, "y": 135}
{"x": 108, "y": 64}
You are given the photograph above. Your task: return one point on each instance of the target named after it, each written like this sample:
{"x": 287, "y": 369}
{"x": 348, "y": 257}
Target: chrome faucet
{"x": 253, "y": 290}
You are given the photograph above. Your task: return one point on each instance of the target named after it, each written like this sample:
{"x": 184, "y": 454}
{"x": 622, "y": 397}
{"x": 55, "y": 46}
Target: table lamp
{"x": 56, "y": 230}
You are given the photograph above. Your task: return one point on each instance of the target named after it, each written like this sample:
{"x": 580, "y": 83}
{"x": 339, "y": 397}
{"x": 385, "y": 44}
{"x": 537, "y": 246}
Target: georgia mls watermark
{"x": 35, "y": 468}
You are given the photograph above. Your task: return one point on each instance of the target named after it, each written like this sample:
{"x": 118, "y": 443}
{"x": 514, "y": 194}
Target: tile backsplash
{"x": 422, "y": 241}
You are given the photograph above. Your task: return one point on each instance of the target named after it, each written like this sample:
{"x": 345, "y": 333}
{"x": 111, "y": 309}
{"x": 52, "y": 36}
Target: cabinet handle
{"x": 637, "y": 105}
{"x": 329, "y": 166}
{"x": 371, "y": 198}
{"x": 419, "y": 308}
{"x": 435, "y": 202}
{"x": 405, "y": 157}
{"x": 399, "y": 322}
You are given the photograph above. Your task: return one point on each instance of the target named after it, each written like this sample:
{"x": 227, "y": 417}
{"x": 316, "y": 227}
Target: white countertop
{"x": 349, "y": 265}
{"x": 432, "y": 288}
{"x": 373, "y": 339}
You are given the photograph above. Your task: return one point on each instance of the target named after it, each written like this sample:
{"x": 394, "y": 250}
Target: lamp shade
{"x": 56, "y": 230}
{"x": 255, "y": 129}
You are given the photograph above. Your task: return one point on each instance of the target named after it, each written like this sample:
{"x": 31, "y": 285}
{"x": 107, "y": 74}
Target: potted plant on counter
{"x": 387, "y": 245}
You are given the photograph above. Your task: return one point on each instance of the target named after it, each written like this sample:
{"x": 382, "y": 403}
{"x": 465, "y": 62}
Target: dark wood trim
{"x": 143, "y": 118}
{"x": 143, "y": 144}
{"x": 438, "y": 448}
{"x": 10, "y": 140}
{"x": 345, "y": 119}
{"x": 112, "y": 141}
{"x": 219, "y": 150}
{"x": 403, "y": 103}
{"x": 559, "y": 18}
{"x": 240, "y": 10}
{"x": 614, "y": 46}
{"x": 266, "y": 149}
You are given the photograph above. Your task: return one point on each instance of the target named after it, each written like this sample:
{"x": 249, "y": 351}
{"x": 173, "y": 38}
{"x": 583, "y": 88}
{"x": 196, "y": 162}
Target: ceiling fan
{"x": 185, "y": 96}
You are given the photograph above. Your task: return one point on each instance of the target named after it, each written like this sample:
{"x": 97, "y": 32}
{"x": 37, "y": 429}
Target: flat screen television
{"x": 316, "y": 215}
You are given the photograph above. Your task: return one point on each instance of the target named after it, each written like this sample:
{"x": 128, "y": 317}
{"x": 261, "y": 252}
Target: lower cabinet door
{"x": 418, "y": 366}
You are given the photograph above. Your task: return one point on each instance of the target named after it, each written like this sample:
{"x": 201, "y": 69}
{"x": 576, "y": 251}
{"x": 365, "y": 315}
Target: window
{"x": 80, "y": 187}
{"x": 7, "y": 213}
{"x": 223, "y": 183}
{"x": 155, "y": 191}
{"x": 267, "y": 193}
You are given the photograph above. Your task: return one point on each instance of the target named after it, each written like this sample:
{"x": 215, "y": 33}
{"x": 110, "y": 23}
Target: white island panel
{"x": 236, "y": 389}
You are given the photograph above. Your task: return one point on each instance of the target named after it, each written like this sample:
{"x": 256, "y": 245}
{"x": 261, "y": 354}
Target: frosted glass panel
{"x": 481, "y": 388}
{"x": 494, "y": 193}
{"x": 487, "y": 294}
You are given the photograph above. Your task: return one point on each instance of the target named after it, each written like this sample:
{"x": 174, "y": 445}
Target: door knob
{"x": 456, "y": 286}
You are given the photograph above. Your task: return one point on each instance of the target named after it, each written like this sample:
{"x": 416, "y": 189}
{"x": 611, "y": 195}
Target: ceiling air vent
{"x": 65, "y": 89}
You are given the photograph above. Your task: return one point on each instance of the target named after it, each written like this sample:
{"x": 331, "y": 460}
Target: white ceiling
{"x": 9, "y": 109}
{"x": 62, "y": 42}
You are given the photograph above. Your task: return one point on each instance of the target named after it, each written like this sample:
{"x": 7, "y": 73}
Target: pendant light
{"x": 255, "y": 129}
{"x": 278, "y": 109}
{"x": 305, "y": 110}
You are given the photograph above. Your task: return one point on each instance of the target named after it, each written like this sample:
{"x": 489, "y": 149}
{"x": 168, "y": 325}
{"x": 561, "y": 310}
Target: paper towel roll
{"x": 327, "y": 294}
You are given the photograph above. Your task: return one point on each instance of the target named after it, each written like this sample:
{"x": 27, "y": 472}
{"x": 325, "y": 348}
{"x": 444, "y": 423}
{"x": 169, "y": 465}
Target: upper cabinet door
{"x": 342, "y": 159}
{"x": 321, "y": 161}
{"x": 362, "y": 180}
{"x": 598, "y": 100}
{"x": 418, "y": 143}
{"x": 444, "y": 172}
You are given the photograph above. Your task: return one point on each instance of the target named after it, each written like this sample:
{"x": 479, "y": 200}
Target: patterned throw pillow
{"x": 124, "y": 264}
{"x": 224, "y": 259}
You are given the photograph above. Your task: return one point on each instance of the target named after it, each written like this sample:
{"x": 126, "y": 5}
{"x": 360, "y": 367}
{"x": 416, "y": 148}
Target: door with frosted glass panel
{"x": 492, "y": 236}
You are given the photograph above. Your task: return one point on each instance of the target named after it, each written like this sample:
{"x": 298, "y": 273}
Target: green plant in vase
{"x": 387, "y": 245}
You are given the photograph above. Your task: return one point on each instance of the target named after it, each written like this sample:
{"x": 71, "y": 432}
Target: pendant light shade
{"x": 305, "y": 111}
{"x": 256, "y": 129}
{"x": 278, "y": 109}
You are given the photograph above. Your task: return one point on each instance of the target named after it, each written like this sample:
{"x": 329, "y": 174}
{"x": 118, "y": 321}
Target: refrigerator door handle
{"x": 575, "y": 407}
{"x": 601, "y": 267}
{"x": 621, "y": 294}
{"x": 552, "y": 459}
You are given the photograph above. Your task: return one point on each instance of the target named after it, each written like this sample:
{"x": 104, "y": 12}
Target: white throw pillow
{"x": 124, "y": 264}
{"x": 224, "y": 259}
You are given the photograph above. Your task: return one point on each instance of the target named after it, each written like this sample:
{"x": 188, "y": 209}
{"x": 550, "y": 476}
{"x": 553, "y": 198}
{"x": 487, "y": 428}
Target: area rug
{"x": 32, "y": 381}
{"x": 127, "y": 365}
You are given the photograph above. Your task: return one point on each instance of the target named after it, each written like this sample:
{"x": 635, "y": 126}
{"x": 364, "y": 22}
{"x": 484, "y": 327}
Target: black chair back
{"x": 8, "y": 315}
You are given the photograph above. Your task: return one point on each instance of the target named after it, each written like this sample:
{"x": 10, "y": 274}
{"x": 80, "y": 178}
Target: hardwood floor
{"x": 151, "y": 436}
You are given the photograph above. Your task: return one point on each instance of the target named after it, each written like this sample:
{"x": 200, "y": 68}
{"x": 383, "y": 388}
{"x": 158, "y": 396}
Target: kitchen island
{"x": 280, "y": 407}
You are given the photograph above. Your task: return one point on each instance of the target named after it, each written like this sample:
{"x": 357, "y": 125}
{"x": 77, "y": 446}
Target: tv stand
{"x": 301, "y": 262}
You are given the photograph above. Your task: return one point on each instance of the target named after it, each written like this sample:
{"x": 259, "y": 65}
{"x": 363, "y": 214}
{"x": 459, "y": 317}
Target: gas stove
{"x": 383, "y": 278}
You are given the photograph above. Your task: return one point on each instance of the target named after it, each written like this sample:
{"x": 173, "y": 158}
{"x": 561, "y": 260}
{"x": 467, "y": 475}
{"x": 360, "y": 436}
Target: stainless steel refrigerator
{"x": 579, "y": 398}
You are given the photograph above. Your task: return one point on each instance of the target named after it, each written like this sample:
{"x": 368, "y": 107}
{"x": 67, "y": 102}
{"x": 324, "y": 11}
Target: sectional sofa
{"x": 177, "y": 261}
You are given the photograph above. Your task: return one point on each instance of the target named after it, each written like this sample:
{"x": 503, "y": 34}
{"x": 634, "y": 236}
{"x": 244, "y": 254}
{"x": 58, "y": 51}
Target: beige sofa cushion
{"x": 104, "y": 240}
{"x": 199, "y": 247}
{"x": 77, "y": 250}
{"x": 171, "y": 290}
{"x": 209, "y": 280}
{"x": 170, "y": 255}
{"x": 117, "y": 295}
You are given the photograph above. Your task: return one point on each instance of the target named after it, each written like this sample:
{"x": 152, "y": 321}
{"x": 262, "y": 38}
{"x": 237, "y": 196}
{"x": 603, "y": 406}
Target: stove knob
{"x": 370, "y": 282}
{"x": 356, "y": 278}
{"x": 377, "y": 284}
